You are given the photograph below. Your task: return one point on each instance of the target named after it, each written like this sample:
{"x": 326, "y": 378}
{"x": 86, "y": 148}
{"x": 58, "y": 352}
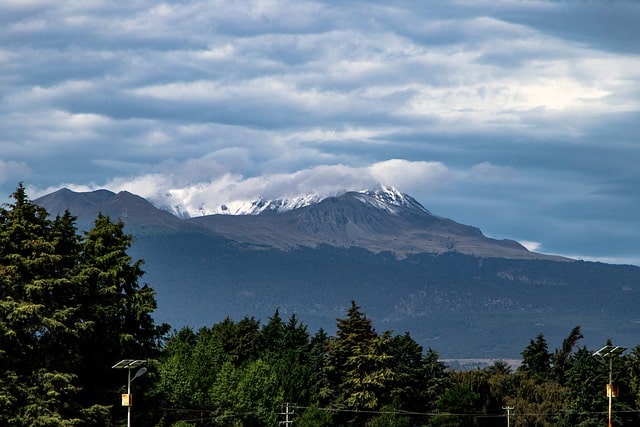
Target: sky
{"x": 519, "y": 117}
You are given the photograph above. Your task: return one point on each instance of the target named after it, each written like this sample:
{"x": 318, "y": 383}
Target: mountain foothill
{"x": 450, "y": 286}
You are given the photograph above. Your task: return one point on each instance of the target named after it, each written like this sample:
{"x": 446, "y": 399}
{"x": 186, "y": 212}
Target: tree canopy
{"x": 70, "y": 307}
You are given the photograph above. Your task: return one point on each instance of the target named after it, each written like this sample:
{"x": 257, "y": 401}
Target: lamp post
{"x": 610, "y": 351}
{"x": 130, "y": 364}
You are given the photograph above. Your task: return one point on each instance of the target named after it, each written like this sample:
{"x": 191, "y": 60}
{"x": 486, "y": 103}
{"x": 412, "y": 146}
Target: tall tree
{"x": 561, "y": 357}
{"x": 368, "y": 378}
{"x": 353, "y": 334}
{"x": 115, "y": 307}
{"x": 69, "y": 309}
{"x": 36, "y": 312}
{"x": 536, "y": 359}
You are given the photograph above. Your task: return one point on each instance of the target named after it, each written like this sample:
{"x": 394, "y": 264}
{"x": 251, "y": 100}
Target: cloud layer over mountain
{"x": 518, "y": 117}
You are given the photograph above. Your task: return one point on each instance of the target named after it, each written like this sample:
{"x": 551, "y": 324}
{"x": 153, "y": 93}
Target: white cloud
{"x": 486, "y": 172}
{"x": 12, "y": 172}
{"x": 482, "y": 106}
{"x": 530, "y": 245}
{"x": 323, "y": 180}
{"x": 205, "y": 197}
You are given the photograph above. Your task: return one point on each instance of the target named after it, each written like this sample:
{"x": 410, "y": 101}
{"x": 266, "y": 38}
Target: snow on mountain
{"x": 390, "y": 199}
{"x": 261, "y": 206}
{"x": 381, "y": 197}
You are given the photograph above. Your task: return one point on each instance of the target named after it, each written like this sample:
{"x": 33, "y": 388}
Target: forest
{"x": 73, "y": 304}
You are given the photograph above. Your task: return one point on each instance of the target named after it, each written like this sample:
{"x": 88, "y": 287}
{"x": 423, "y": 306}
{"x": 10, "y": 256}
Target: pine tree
{"x": 536, "y": 360}
{"x": 36, "y": 314}
{"x": 353, "y": 332}
{"x": 114, "y": 308}
{"x": 69, "y": 309}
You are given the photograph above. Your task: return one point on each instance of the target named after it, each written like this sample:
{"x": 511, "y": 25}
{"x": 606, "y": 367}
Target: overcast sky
{"x": 519, "y": 117}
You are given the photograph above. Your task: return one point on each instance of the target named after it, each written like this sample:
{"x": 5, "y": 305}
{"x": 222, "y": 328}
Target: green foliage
{"x": 315, "y": 417}
{"x": 455, "y": 402}
{"x": 281, "y": 362}
{"x": 70, "y": 307}
{"x": 391, "y": 419}
{"x": 536, "y": 360}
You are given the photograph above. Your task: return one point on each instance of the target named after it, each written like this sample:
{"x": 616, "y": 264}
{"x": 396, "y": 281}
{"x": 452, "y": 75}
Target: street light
{"x": 610, "y": 351}
{"x": 130, "y": 364}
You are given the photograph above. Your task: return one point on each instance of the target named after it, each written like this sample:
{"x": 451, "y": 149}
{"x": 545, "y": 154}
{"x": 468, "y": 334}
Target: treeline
{"x": 71, "y": 307}
{"x": 242, "y": 374}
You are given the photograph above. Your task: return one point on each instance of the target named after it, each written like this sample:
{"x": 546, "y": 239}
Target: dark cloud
{"x": 518, "y": 117}
{"x": 606, "y": 25}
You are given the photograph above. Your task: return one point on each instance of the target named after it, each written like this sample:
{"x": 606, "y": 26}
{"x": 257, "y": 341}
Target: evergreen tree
{"x": 585, "y": 380}
{"x": 37, "y": 323}
{"x": 114, "y": 308}
{"x": 354, "y": 333}
{"x": 435, "y": 379}
{"x": 536, "y": 360}
{"x": 272, "y": 334}
{"x": 368, "y": 374}
{"x": 69, "y": 309}
{"x": 412, "y": 374}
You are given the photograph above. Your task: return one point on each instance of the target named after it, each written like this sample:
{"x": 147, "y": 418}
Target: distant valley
{"x": 454, "y": 289}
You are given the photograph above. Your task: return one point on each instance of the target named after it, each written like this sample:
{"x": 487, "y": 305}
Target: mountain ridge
{"x": 383, "y": 219}
{"x": 446, "y": 283}
{"x": 386, "y": 196}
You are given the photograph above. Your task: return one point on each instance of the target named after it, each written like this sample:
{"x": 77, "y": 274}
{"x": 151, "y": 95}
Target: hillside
{"x": 454, "y": 289}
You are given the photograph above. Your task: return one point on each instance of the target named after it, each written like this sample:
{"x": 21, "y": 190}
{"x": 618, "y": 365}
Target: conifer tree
{"x": 37, "y": 321}
{"x": 69, "y": 309}
{"x": 536, "y": 360}
{"x": 353, "y": 333}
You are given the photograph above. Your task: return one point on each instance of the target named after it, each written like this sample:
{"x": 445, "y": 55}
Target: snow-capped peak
{"x": 382, "y": 197}
{"x": 262, "y": 206}
{"x": 390, "y": 199}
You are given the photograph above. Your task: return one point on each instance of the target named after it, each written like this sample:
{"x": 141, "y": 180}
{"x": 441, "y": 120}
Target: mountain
{"x": 379, "y": 220}
{"x": 454, "y": 289}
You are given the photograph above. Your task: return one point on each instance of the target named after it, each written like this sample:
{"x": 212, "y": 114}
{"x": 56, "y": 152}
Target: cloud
{"x": 10, "y": 169}
{"x": 531, "y": 246}
{"x": 520, "y": 117}
{"x": 205, "y": 197}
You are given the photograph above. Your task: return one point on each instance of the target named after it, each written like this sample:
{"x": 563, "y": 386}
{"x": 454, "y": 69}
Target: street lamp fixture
{"x": 610, "y": 351}
{"x": 130, "y": 364}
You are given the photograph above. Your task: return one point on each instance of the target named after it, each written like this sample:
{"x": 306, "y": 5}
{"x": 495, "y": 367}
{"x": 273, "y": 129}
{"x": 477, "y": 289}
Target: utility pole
{"x": 287, "y": 421}
{"x": 508, "y": 409}
{"x": 610, "y": 351}
{"x": 129, "y": 364}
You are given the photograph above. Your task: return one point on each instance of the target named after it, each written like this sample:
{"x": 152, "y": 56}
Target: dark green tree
{"x": 271, "y": 337}
{"x": 536, "y": 359}
{"x": 436, "y": 379}
{"x": 70, "y": 307}
{"x": 115, "y": 309}
{"x": 314, "y": 416}
{"x": 561, "y": 357}
{"x": 37, "y": 321}
{"x": 585, "y": 381}
{"x": 458, "y": 406}
{"x": 354, "y": 334}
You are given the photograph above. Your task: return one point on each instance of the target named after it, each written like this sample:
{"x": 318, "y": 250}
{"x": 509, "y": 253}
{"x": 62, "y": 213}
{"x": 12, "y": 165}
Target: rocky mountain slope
{"x": 379, "y": 220}
{"x": 451, "y": 287}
